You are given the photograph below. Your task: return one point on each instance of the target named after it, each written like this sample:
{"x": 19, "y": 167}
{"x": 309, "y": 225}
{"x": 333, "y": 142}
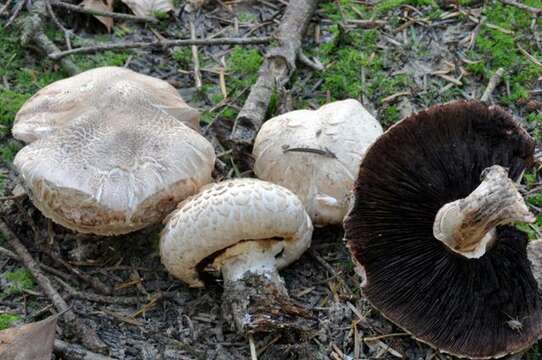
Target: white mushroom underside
{"x": 340, "y": 131}
{"x": 225, "y": 214}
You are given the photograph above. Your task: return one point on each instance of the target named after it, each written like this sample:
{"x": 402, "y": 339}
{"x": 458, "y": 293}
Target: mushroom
{"x": 59, "y": 103}
{"x": 247, "y": 230}
{"x": 534, "y": 252}
{"x": 316, "y": 154}
{"x": 430, "y": 230}
{"x": 117, "y": 171}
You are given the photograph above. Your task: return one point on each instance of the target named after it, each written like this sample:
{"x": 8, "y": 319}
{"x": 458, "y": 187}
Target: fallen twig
{"x": 87, "y": 335}
{"x": 114, "y": 15}
{"x": 252, "y": 346}
{"x": 529, "y": 56}
{"x": 33, "y": 31}
{"x": 16, "y": 12}
{"x": 492, "y": 84}
{"x": 195, "y": 57}
{"x": 93, "y": 282}
{"x": 367, "y": 24}
{"x": 157, "y": 44}
{"x": 331, "y": 270}
{"x": 76, "y": 352}
{"x": 10, "y": 254}
{"x": 275, "y": 72}
{"x": 533, "y": 10}
{"x": 313, "y": 64}
{"x": 5, "y": 7}
{"x": 67, "y": 33}
{"x": 13, "y": 197}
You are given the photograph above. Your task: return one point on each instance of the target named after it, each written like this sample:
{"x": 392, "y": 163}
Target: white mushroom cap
{"x": 59, "y": 103}
{"x": 340, "y": 132}
{"x": 108, "y": 173}
{"x": 233, "y": 212}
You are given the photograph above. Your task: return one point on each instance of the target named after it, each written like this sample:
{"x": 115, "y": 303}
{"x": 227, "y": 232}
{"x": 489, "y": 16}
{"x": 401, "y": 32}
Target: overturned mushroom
{"x": 316, "y": 154}
{"x": 534, "y": 252}
{"x": 61, "y": 102}
{"x": 429, "y": 230}
{"x": 247, "y": 230}
{"x": 117, "y": 171}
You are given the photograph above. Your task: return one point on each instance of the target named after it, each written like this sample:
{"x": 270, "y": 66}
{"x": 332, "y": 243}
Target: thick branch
{"x": 276, "y": 70}
{"x": 467, "y": 226}
{"x": 160, "y": 44}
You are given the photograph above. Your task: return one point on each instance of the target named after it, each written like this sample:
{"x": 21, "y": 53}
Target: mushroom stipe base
{"x": 259, "y": 303}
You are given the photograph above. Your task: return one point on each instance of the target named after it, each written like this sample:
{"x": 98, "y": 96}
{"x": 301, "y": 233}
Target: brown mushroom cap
{"x": 459, "y": 305}
{"x": 117, "y": 171}
{"x": 59, "y": 103}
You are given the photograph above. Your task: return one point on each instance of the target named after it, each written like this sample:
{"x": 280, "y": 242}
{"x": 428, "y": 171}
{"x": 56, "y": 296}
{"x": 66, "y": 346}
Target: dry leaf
{"x": 100, "y": 5}
{"x": 30, "y": 341}
{"x": 149, "y": 7}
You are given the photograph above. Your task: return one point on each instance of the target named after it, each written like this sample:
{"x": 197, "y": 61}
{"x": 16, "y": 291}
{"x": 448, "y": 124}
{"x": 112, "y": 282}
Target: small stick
{"x": 330, "y": 268}
{"x": 529, "y": 56}
{"x": 313, "y": 64}
{"x": 33, "y": 32}
{"x": 252, "y": 345}
{"x": 13, "y": 197}
{"x": 67, "y": 33}
{"x": 492, "y": 84}
{"x": 326, "y": 152}
{"x": 222, "y": 82}
{"x": 5, "y": 7}
{"x": 367, "y": 24}
{"x": 195, "y": 57}
{"x": 94, "y": 283}
{"x": 10, "y": 254}
{"x": 533, "y": 10}
{"x": 110, "y": 14}
{"x": 76, "y": 352}
{"x": 87, "y": 335}
{"x": 164, "y": 43}
{"x": 16, "y": 12}
{"x": 379, "y": 337}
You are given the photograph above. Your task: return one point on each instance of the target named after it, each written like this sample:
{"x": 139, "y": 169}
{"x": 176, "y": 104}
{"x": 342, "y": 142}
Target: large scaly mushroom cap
{"x": 61, "y": 102}
{"x": 115, "y": 172}
{"x": 446, "y": 291}
{"x": 316, "y": 154}
{"x": 250, "y": 212}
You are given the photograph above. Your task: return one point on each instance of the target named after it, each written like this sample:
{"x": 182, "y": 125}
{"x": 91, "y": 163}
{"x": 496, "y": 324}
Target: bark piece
{"x": 278, "y": 67}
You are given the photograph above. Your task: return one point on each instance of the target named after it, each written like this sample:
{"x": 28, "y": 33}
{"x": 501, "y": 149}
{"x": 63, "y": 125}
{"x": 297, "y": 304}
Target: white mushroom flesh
{"x": 317, "y": 154}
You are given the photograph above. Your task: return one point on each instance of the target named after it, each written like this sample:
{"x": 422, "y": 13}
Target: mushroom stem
{"x": 467, "y": 226}
{"x": 255, "y": 298}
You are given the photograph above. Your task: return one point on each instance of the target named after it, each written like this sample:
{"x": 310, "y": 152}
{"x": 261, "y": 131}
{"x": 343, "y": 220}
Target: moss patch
{"x": 16, "y": 282}
{"x": 499, "y": 47}
{"x": 6, "y": 320}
